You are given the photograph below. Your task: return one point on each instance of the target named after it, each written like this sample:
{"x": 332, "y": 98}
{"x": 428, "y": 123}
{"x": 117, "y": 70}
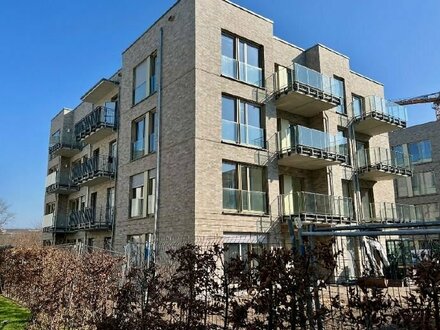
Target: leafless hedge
{"x": 271, "y": 289}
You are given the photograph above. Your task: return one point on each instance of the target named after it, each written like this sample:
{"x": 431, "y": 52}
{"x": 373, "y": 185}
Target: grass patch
{"x": 16, "y": 315}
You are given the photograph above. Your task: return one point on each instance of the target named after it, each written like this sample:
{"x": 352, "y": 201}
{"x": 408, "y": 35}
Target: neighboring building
{"x": 422, "y": 142}
{"x": 223, "y": 130}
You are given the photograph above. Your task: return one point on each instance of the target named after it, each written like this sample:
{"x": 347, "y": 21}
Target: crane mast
{"x": 433, "y": 98}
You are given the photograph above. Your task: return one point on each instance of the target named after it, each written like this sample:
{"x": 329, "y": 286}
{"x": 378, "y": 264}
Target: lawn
{"x": 15, "y": 315}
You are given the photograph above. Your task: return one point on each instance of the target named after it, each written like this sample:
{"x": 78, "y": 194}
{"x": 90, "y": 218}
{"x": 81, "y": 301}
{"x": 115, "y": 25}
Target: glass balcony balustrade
{"x": 244, "y": 200}
{"x": 389, "y": 212}
{"x": 319, "y": 207}
{"x": 242, "y": 71}
{"x": 382, "y": 163}
{"x": 63, "y": 144}
{"x": 59, "y": 182}
{"x": 243, "y": 134}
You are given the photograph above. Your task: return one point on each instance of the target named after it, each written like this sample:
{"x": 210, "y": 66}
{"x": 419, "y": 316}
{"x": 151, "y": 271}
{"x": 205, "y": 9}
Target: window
{"x": 55, "y": 138}
{"x": 145, "y": 79}
{"x": 50, "y": 208}
{"x": 242, "y": 122}
{"x": 242, "y": 60}
{"x": 423, "y": 183}
{"x": 241, "y": 251}
{"x": 151, "y": 192}
{"x": 244, "y": 187}
{"x": 107, "y": 243}
{"x": 143, "y": 133}
{"x": 342, "y": 144}
{"x": 138, "y": 138}
{"x": 358, "y": 105}
{"x": 139, "y": 248}
{"x": 110, "y": 208}
{"x": 428, "y": 211}
{"x": 419, "y": 184}
{"x": 137, "y": 195}
{"x": 152, "y": 118}
{"x": 340, "y": 90}
{"x": 113, "y": 149}
{"x": 420, "y": 152}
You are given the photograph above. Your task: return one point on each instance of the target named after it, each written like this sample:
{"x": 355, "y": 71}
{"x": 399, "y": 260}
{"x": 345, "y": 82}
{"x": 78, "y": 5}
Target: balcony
{"x": 307, "y": 148}
{"x": 242, "y": 71}
{"x": 94, "y": 171}
{"x": 389, "y": 213}
{"x": 237, "y": 200}
{"x": 378, "y": 164}
{"x": 305, "y": 92}
{"x": 63, "y": 144}
{"x": 92, "y": 219}
{"x": 100, "y": 123}
{"x": 54, "y": 223}
{"x": 379, "y": 116}
{"x": 59, "y": 183}
{"x": 316, "y": 207}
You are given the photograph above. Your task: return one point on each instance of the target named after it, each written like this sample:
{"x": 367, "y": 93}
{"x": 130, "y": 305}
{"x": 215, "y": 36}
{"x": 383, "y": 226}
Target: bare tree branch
{"x": 5, "y": 214}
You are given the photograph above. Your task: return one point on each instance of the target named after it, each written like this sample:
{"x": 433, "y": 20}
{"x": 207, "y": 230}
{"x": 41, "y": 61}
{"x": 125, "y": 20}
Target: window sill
{"x": 140, "y": 217}
{"x": 146, "y": 155}
{"x": 144, "y": 99}
{"x": 245, "y": 213}
{"x": 242, "y": 81}
{"x": 247, "y": 146}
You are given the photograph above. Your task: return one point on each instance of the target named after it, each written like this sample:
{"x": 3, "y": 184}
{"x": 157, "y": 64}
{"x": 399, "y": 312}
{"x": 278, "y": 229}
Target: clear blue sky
{"x": 53, "y": 51}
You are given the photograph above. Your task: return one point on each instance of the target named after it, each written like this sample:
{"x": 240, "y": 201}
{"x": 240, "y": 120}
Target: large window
{"x": 244, "y": 188}
{"x": 419, "y": 184}
{"x": 428, "y": 211}
{"x": 137, "y": 195}
{"x": 145, "y": 79}
{"x": 242, "y": 60}
{"x": 138, "y": 138}
{"x": 357, "y": 105}
{"x": 340, "y": 90}
{"x": 418, "y": 152}
{"x": 241, "y": 251}
{"x": 141, "y": 184}
{"x": 242, "y": 122}
{"x": 143, "y": 133}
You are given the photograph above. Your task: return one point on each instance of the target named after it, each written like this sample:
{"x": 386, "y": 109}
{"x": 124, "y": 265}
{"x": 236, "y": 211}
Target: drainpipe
{"x": 158, "y": 114}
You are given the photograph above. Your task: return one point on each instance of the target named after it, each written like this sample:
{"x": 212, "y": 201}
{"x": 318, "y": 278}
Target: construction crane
{"x": 433, "y": 98}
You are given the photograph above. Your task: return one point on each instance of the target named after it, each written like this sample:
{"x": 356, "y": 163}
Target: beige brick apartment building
{"x": 222, "y": 130}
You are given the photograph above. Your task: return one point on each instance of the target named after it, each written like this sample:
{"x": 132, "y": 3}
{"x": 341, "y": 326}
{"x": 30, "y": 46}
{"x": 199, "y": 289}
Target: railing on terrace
{"x": 61, "y": 141}
{"x": 102, "y": 116}
{"x": 244, "y": 200}
{"x": 242, "y": 71}
{"x": 300, "y": 78}
{"x": 377, "y": 106}
{"x": 96, "y": 166}
{"x": 390, "y": 212}
{"x": 59, "y": 180}
{"x": 316, "y": 206}
{"x": 298, "y": 137}
{"x": 54, "y": 222}
{"x": 383, "y": 159}
{"x": 243, "y": 134}
{"x": 92, "y": 218}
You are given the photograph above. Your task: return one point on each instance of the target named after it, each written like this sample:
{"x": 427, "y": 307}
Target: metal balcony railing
{"x": 244, "y": 200}
{"x": 384, "y": 160}
{"x": 54, "y": 222}
{"x": 318, "y": 207}
{"x": 97, "y": 166}
{"x": 92, "y": 218}
{"x": 100, "y": 117}
{"x": 376, "y": 106}
{"x": 311, "y": 141}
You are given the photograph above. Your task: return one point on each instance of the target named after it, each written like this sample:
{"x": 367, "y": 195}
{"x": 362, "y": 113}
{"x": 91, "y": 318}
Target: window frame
{"x": 150, "y": 80}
